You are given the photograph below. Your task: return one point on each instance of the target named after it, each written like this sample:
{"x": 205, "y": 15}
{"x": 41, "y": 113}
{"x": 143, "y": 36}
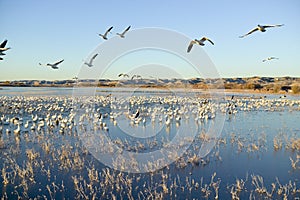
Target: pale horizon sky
{"x": 47, "y": 31}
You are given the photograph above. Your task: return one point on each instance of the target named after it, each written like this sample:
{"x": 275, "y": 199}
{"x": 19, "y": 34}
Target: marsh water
{"x": 256, "y": 154}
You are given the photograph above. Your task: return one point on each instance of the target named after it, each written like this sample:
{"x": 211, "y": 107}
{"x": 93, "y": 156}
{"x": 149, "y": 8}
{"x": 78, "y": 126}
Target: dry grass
{"x": 276, "y": 88}
{"x": 296, "y": 89}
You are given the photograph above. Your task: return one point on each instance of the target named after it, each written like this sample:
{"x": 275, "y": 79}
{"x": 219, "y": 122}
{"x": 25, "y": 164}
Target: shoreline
{"x": 162, "y": 89}
{"x": 261, "y": 85}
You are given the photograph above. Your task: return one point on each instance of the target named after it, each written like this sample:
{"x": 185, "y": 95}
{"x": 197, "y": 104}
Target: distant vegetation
{"x": 296, "y": 89}
{"x": 257, "y": 84}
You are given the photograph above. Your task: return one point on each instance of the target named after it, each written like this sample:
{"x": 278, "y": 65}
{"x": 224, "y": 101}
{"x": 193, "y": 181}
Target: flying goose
{"x": 199, "y": 42}
{"x": 270, "y": 58}
{"x": 3, "y": 48}
{"x": 124, "y": 75}
{"x": 122, "y": 35}
{"x": 90, "y": 63}
{"x": 104, "y": 36}
{"x": 261, "y": 28}
{"x": 2, "y": 45}
{"x": 55, "y": 65}
{"x": 136, "y": 76}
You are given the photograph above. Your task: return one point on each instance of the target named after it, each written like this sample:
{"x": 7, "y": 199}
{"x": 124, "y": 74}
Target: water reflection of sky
{"x": 256, "y": 126}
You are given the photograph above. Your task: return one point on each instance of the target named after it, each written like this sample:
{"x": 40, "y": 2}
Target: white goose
{"x": 136, "y": 76}
{"x": 124, "y": 75}
{"x": 90, "y": 63}
{"x": 261, "y": 28}
{"x": 55, "y": 65}
{"x": 104, "y": 36}
{"x": 270, "y": 58}
{"x": 3, "y": 48}
{"x": 18, "y": 129}
{"x": 122, "y": 35}
{"x": 199, "y": 42}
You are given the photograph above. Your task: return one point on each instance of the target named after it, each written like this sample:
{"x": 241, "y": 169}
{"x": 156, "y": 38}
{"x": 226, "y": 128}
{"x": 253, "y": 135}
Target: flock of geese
{"x": 200, "y": 42}
{"x": 40, "y": 148}
{"x": 90, "y": 62}
{"x": 55, "y": 65}
{"x": 122, "y": 35}
{"x": 132, "y": 77}
{"x": 261, "y": 28}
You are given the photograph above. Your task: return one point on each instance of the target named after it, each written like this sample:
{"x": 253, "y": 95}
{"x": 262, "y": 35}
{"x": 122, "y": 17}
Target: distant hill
{"x": 262, "y": 84}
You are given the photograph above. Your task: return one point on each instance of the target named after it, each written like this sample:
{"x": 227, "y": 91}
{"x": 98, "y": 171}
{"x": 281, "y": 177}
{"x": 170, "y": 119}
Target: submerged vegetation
{"x": 43, "y": 155}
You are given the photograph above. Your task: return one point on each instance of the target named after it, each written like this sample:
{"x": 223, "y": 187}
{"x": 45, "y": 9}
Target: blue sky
{"x": 47, "y": 31}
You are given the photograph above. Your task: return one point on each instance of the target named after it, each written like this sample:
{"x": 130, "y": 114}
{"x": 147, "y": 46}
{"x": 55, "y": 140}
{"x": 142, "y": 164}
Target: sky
{"x": 48, "y": 31}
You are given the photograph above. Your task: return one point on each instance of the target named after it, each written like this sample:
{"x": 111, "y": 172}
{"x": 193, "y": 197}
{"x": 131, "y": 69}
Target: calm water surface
{"x": 47, "y": 163}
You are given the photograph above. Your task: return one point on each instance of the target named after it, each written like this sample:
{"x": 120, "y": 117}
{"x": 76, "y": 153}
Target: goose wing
{"x": 127, "y": 29}
{"x": 54, "y": 67}
{"x": 3, "y": 44}
{"x": 94, "y": 57}
{"x": 108, "y": 30}
{"x": 57, "y": 63}
{"x": 205, "y": 38}
{"x": 270, "y": 26}
{"x": 253, "y": 30}
{"x": 133, "y": 77}
{"x": 137, "y": 114}
{"x": 190, "y": 46}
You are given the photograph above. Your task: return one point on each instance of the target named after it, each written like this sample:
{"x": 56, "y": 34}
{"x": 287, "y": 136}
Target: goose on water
{"x": 104, "y": 36}
{"x": 261, "y": 28}
{"x": 199, "y": 42}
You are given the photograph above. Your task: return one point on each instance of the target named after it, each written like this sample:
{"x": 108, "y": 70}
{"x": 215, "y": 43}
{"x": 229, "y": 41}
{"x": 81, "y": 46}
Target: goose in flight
{"x": 55, "y": 65}
{"x": 261, "y": 28}
{"x": 124, "y": 75}
{"x": 199, "y": 42}
{"x": 3, "y": 44}
{"x": 3, "y": 48}
{"x": 104, "y": 36}
{"x": 122, "y": 35}
{"x": 90, "y": 63}
{"x": 270, "y": 58}
{"x": 136, "y": 76}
